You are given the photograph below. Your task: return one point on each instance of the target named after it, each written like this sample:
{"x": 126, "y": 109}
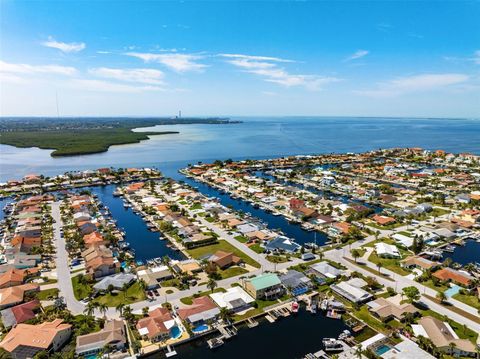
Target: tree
{"x": 119, "y": 308}
{"x": 441, "y": 296}
{"x": 103, "y": 309}
{"x": 379, "y": 266}
{"x": 211, "y": 284}
{"x": 90, "y": 308}
{"x": 145, "y": 311}
{"x": 355, "y": 254}
{"x": 225, "y": 314}
{"x": 358, "y": 351}
{"x": 125, "y": 287}
{"x": 412, "y": 293}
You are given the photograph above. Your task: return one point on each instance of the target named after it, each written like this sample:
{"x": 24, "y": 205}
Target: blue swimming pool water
{"x": 175, "y": 332}
{"x": 454, "y": 289}
{"x": 382, "y": 349}
{"x": 200, "y": 328}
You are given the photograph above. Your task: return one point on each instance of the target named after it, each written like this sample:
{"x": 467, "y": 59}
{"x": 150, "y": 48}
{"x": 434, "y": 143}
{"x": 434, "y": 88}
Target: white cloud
{"x": 27, "y": 69}
{"x": 268, "y": 68}
{"x": 357, "y": 55}
{"x": 144, "y": 76}
{"x": 64, "y": 46}
{"x": 174, "y": 61}
{"x": 417, "y": 83}
{"x": 476, "y": 57}
{"x": 107, "y": 86}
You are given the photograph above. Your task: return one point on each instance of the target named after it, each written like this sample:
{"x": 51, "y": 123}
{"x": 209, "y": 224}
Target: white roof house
{"x": 406, "y": 349}
{"x": 403, "y": 240}
{"x": 387, "y": 250}
{"x": 234, "y": 298}
{"x": 350, "y": 292}
{"x": 326, "y": 270}
{"x": 247, "y": 228}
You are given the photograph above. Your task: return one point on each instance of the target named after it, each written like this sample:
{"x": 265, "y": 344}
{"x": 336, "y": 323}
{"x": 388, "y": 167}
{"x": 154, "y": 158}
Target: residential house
{"x": 224, "y": 259}
{"x": 154, "y": 275}
{"x": 25, "y": 340}
{"x": 351, "y": 291}
{"x": 282, "y": 244}
{"x": 325, "y": 270}
{"x": 159, "y": 325}
{"x": 19, "y": 313}
{"x": 112, "y": 335}
{"x": 419, "y": 263}
{"x": 264, "y": 286}
{"x": 235, "y": 299}
{"x": 15, "y": 295}
{"x": 296, "y": 282}
{"x": 386, "y": 309}
{"x": 386, "y": 250}
{"x": 452, "y": 275}
{"x": 99, "y": 261}
{"x": 117, "y": 281}
{"x": 202, "y": 310}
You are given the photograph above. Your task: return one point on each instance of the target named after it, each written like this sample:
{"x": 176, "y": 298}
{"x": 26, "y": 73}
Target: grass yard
{"x": 48, "y": 294}
{"x": 135, "y": 293}
{"x": 256, "y": 247}
{"x": 80, "y": 290}
{"x": 241, "y": 239}
{"x": 471, "y": 300}
{"x": 222, "y": 245}
{"x": 388, "y": 263}
{"x": 232, "y": 272}
{"x": 189, "y": 300}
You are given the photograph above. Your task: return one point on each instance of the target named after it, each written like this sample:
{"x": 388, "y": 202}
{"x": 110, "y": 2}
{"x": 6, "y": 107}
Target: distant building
{"x": 264, "y": 286}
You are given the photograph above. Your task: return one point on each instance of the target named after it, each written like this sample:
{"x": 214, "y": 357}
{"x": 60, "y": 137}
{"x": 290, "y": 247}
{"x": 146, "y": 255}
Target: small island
{"x": 80, "y": 136}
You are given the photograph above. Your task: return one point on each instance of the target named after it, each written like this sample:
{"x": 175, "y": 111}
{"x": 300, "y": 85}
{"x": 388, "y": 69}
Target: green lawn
{"x": 222, "y": 245}
{"x": 48, "y": 294}
{"x": 189, "y": 300}
{"x": 261, "y": 304}
{"x": 196, "y": 206}
{"x": 256, "y": 247}
{"x": 364, "y": 315}
{"x": 80, "y": 290}
{"x": 232, "y": 272}
{"x": 471, "y": 300}
{"x": 439, "y": 288}
{"x": 241, "y": 239}
{"x": 134, "y": 294}
{"x": 388, "y": 263}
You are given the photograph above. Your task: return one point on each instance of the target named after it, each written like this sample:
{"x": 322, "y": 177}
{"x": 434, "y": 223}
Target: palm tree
{"x": 379, "y": 266}
{"x": 212, "y": 284}
{"x": 125, "y": 287}
{"x": 355, "y": 254}
{"x": 127, "y": 313}
{"x": 103, "y": 308}
{"x": 452, "y": 347}
{"x": 225, "y": 314}
{"x": 90, "y": 308}
{"x": 119, "y": 308}
{"x": 358, "y": 351}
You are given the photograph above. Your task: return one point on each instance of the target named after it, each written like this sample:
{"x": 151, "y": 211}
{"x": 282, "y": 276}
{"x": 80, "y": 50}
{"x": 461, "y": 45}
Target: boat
{"x": 295, "y": 307}
{"x": 449, "y": 248}
{"x": 215, "y": 342}
{"x": 332, "y": 345}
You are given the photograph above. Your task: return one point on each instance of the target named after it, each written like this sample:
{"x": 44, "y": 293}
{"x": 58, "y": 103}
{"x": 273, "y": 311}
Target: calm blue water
{"x": 287, "y": 338}
{"x": 257, "y": 137}
{"x": 146, "y": 244}
{"x": 200, "y": 328}
{"x": 469, "y": 253}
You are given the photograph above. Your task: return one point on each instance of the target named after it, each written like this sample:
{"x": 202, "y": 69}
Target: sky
{"x": 230, "y": 58}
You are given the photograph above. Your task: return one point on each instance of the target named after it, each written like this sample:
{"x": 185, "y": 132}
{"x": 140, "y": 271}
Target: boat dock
{"x": 251, "y": 323}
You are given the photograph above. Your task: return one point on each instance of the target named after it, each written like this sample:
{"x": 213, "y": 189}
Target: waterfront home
{"x": 235, "y": 299}
{"x": 390, "y": 308}
{"x": 339, "y": 228}
{"x": 224, "y": 259}
{"x": 282, "y": 244}
{"x": 159, "y": 325}
{"x": 265, "y": 286}
{"x": 99, "y": 261}
{"x": 455, "y": 276}
{"x": 15, "y": 295}
{"x": 154, "y": 275}
{"x": 419, "y": 263}
{"x": 201, "y": 311}
{"x": 443, "y": 337}
{"x": 246, "y": 228}
{"x": 19, "y": 313}
{"x": 351, "y": 291}
{"x": 324, "y": 270}
{"x": 93, "y": 239}
{"x": 296, "y": 282}
{"x": 405, "y": 349}
{"x": 81, "y": 216}
{"x": 25, "y": 340}
{"x": 112, "y": 335}
{"x": 386, "y": 250}
{"x": 188, "y": 266}
{"x": 199, "y": 239}
{"x": 117, "y": 281}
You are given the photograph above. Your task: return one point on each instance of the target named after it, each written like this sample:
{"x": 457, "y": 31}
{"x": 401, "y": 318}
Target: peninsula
{"x": 80, "y": 136}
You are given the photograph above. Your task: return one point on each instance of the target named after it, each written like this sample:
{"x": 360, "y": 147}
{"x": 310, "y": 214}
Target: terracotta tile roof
{"x": 13, "y": 295}
{"x": 155, "y": 322}
{"x": 12, "y": 277}
{"x": 453, "y": 275}
{"x": 199, "y": 305}
{"x": 25, "y": 311}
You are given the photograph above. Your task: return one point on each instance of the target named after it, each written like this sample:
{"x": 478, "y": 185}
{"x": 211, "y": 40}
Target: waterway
{"x": 469, "y": 253}
{"x": 287, "y": 338}
{"x": 146, "y": 243}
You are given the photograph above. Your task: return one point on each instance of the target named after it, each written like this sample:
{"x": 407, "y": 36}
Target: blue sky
{"x": 379, "y": 58}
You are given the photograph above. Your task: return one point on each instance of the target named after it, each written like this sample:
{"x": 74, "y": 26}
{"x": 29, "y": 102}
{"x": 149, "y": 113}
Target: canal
{"x": 144, "y": 242}
{"x": 469, "y": 253}
{"x": 287, "y": 338}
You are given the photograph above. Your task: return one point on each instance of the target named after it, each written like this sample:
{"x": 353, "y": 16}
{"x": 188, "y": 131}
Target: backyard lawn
{"x": 222, "y": 245}
{"x": 48, "y": 294}
{"x": 135, "y": 293}
{"x": 232, "y": 272}
{"x": 189, "y": 300}
{"x": 388, "y": 263}
{"x": 471, "y": 300}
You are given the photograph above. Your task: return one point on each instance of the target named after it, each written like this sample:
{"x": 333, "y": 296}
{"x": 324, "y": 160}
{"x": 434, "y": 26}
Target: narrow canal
{"x": 287, "y": 338}
{"x": 291, "y": 230}
{"x": 469, "y": 253}
{"x": 144, "y": 242}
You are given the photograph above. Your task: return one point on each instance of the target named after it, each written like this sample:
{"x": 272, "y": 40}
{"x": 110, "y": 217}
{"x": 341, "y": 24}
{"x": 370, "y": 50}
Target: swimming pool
{"x": 175, "y": 332}
{"x": 454, "y": 289}
{"x": 200, "y": 328}
{"x": 382, "y": 349}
